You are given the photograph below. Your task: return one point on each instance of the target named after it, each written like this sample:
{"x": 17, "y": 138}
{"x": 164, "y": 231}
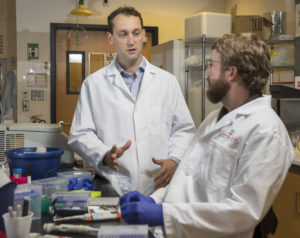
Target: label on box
{"x": 297, "y": 82}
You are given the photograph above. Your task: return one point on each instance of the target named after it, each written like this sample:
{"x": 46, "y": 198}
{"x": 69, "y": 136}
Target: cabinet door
{"x": 286, "y": 206}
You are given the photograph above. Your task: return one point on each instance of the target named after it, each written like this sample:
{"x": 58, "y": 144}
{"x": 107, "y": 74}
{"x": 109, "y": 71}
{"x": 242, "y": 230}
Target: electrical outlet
{"x": 25, "y": 105}
{"x": 25, "y": 95}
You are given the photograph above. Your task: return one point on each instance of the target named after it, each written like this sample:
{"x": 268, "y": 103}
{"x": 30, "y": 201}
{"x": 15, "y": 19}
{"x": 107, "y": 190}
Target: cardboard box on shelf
{"x": 284, "y": 77}
{"x": 297, "y": 82}
{"x": 251, "y": 24}
{"x": 247, "y": 23}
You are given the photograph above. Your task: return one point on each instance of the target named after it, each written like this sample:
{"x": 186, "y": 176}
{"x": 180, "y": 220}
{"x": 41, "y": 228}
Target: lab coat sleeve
{"x": 183, "y": 127}
{"x": 159, "y": 194}
{"x": 83, "y": 137}
{"x": 261, "y": 171}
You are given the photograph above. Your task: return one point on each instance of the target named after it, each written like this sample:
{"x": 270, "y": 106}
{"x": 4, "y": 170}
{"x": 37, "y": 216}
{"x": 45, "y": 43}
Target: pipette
{"x": 96, "y": 216}
{"x": 51, "y": 227}
{"x": 38, "y": 235}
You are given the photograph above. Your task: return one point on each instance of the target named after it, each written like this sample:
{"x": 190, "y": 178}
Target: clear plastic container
{"x": 31, "y": 192}
{"x": 71, "y": 199}
{"x": 79, "y": 174}
{"x": 138, "y": 231}
{"x": 52, "y": 185}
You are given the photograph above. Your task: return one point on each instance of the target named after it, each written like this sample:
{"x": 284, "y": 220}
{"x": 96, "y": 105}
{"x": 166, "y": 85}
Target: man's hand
{"x": 142, "y": 213}
{"x": 165, "y": 174}
{"x": 111, "y": 157}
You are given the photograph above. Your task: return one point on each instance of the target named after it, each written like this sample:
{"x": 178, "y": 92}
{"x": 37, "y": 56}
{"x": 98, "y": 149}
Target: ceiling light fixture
{"x": 81, "y": 10}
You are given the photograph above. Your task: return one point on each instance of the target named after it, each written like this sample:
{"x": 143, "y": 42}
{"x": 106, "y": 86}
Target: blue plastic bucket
{"x": 43, "y": 164}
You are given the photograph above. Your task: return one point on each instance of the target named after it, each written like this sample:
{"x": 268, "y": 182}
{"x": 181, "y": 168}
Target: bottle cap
{"x": 17, "y": 170}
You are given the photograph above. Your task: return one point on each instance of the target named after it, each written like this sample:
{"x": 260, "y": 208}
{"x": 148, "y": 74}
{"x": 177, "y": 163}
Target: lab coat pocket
{"x": 220, "y": 167}
{"x": 158, "y": 120}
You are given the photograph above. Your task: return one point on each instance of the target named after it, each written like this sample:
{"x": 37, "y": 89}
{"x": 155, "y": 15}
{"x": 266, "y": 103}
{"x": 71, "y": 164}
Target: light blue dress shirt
{"x": 133, "y": 82}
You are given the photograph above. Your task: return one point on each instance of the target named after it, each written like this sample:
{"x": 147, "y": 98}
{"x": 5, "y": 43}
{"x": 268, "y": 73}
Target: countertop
{"x": 106, "y": 191}
{"x": 296, "y": 160}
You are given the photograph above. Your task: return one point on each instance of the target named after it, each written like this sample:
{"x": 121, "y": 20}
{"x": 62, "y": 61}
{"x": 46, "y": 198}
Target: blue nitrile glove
{"x": 85, "y": 184}
{"x": 72, "y": 183}
{"x": 135, "y": 196}
{"x": 142, "y": 213}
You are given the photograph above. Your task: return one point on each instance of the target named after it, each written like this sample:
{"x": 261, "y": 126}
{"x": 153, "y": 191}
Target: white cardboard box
{"x": 211, "y": 24}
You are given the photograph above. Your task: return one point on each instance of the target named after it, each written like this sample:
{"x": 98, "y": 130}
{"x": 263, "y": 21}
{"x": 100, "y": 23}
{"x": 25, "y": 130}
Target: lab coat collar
{"x": 148, "y": 75}
{"x": 244, "y": 110}
{"x": 114, "y": 75}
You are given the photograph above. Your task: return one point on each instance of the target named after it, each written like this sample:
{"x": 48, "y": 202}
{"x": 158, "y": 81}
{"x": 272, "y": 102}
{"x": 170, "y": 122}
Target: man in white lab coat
{"x": 130, "y": 112}
{"x": 237, "y": 160}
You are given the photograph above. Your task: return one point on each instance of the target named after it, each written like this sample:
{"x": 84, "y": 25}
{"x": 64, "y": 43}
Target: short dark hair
{"x": 128, "y": 11}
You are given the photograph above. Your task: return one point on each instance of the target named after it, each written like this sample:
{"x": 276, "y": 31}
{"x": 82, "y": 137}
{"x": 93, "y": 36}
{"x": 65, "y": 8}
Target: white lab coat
{"x": 230, "y": 174}
{"x": 158, "y": 123}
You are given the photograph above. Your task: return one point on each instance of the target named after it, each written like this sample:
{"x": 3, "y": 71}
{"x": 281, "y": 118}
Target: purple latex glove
{"x": 135, "y": 196}
{"x": 142, "y": 213}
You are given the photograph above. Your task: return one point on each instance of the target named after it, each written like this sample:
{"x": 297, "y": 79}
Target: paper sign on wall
{"x": 32, "y": 51}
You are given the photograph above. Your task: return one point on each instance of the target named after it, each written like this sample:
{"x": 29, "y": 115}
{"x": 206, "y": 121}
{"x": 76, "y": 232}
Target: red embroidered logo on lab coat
{"x": 229, "y": 135}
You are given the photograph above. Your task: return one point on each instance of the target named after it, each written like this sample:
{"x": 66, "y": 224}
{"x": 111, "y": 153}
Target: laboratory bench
{"x": 286, "y": 207}
{"x": 102, "y": 185}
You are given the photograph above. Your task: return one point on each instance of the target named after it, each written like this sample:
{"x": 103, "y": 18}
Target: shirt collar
{"x": 224, "y": 111}
{"x": 141, "y": 67}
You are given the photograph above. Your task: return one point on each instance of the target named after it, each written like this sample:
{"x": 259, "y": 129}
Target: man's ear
{"x": 109, "y": 38}
{"x": 233, "y": 73}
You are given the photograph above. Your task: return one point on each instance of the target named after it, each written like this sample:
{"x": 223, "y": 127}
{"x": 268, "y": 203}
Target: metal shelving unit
{"x": 202, "y": 44}
{"x": 289, "y": 67}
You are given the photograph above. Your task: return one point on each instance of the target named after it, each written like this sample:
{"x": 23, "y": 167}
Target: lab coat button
{"x": 188, "y": 172}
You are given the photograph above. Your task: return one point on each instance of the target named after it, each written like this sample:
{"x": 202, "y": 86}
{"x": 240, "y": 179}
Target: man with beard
{"x": 237, "y": 160}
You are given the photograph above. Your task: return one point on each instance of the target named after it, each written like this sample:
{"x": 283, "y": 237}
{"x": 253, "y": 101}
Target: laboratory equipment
{"x": 104, "y": 201}
{"x": 95, "y": 216}
{"x": 17, "y": 226}
{"x": 133, "y": 231}
{"x": 33, "y": 194}
{"x": 35, "y": 135}
{"x": 52, "y": 185}
{"x": 82, "y": 229}
{"x": 70, "y": 203}
{"x": 75, "y": 173}
{"x": 101, "y": 204}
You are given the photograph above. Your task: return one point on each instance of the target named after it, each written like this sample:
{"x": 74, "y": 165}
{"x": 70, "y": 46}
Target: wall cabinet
{"x": 287, "y": 208}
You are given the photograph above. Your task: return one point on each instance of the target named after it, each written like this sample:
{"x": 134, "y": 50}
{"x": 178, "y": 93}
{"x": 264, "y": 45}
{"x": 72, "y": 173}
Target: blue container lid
{"x": 17, "y": 170}
{"x": 30, "y": 153}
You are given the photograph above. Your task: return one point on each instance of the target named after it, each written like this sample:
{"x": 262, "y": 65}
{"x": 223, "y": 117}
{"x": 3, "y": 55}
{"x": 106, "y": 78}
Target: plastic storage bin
{"x": 210, "y": 24}
{"x": 43, "y": 164}
{"x": 31, "y": 192}
{"x": 52, "y": 185}
{"x": 70, "y": 203}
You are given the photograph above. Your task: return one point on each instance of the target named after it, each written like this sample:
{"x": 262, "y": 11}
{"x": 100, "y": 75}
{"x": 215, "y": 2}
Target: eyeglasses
{"x": 209, "y": 63}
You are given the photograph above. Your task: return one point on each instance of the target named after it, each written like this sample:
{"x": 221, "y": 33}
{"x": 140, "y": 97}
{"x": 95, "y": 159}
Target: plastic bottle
{"x": 17, "y": 172}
